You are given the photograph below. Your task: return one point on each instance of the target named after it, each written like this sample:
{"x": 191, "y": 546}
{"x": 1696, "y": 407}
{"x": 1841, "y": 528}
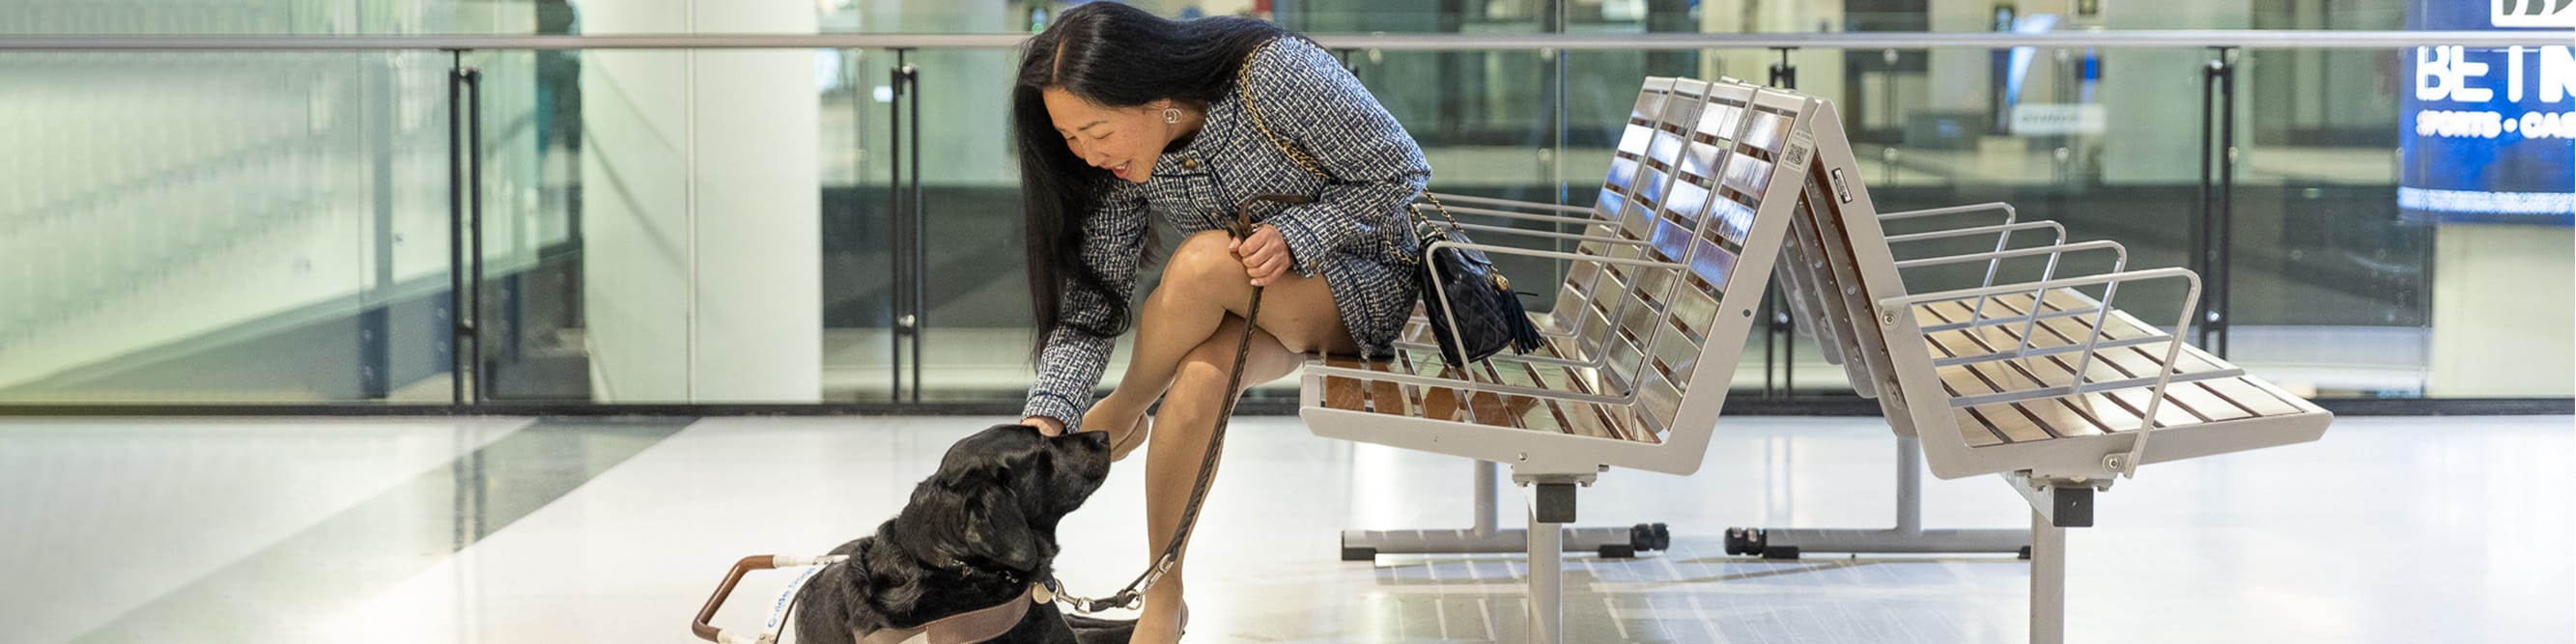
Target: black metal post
{"x": 2210, "y": 252}
{"x": 472, "y": 323}
{"x": 375, "y": 334}
{"x": 920, "y": 234}
{"x": 2199, "y": 242}
{"x": 2224, "y": 282}
{"x": 897, "y": 323}
{"x": 1784, "y": 74}
{"x": 455, "y": 228}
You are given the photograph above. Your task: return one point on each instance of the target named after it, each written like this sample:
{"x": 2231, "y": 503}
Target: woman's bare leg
{"x": 1202, "y": 284}
{"x": 1189, "y": 413}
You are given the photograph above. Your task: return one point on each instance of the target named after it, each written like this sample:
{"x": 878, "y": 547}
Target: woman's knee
{"x": 1203, "y": 260}
{"x": 1208, "y": 364}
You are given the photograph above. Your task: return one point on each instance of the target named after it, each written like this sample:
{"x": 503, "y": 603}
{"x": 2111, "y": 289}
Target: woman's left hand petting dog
{"x": 974, "y": 536}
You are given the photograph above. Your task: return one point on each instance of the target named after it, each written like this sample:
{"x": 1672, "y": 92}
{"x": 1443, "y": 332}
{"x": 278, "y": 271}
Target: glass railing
{"x": 788, "y": 220}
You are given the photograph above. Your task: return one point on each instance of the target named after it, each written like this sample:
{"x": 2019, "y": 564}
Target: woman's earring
{"x": 1172, "y": 115}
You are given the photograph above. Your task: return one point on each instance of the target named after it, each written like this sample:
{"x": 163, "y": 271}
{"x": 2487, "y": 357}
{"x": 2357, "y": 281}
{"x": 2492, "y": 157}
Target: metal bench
{"x": 1660, "y": 294}
{"x": 1595, "y": 229}
{"x": 1986, "y": 378}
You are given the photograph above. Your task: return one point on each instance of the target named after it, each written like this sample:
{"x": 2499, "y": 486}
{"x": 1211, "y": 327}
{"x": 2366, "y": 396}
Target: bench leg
{"x": 1488, "y": 537}
{"x": 1551, "y": 505}
{"x": 2047, "y": 581}
{"x": 1908, "y": 535}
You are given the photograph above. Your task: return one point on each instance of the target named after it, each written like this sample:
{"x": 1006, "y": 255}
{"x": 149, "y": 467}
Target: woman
{"x": 1121, "y": 115}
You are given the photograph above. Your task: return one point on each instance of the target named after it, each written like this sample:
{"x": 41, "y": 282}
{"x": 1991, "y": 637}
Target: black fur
{"x": 975, "y": 534}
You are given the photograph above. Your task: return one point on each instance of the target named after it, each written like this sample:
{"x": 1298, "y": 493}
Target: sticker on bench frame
{"x": 1800, "y": 143}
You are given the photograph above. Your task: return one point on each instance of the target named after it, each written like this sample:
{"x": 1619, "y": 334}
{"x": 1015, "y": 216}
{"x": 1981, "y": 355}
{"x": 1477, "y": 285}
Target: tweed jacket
{"x": 1353, "y": 235}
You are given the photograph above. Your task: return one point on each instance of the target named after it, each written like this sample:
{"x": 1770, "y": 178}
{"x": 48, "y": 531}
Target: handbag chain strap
{"x": 1243, "y": 86}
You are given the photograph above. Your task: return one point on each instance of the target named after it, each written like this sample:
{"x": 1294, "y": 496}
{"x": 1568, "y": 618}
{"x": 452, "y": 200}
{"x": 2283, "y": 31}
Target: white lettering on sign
{"x": 2443, "y": 73}
{"x": 2043, "y": 119}
{"x": 2487, "y": 125}
{"x": 2557, "y": 73}
{"x": 2545, "y": 125}
{"x": 2448, "y": 74}
{"x": 2445, "y": 123}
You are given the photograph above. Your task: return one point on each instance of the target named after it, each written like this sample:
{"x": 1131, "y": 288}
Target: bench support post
{"x": 2047, "y": 580}
{"x": 1487, "y": 536}
{"x": 1908, "y": 536}
{"x": 2056, "y": 503}
{"x": 1551, "y": 504}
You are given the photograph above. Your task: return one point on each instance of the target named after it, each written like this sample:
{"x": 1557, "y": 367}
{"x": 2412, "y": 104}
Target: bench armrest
{"x": 1994, "y": 260}
{"x": 1586, "y": 220}
{"x": 2010, "y": 215}
{"x": 2002, "y": 236}
{"x": 1509, "y": 203}
{"x": 2003, "y": 230}
{"x": 2120, "y": 261}
{"x": 2126, "y": 465}
{"x": 1455, "y": 383}
{"x": 1525, "y": 232}
{"x": 1550, "y": 254}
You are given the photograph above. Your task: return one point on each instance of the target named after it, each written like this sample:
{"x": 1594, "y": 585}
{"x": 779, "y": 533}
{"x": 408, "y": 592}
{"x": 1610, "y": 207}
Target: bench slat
{"x": 2166, "y": 415}
{"x": 2250, "y": 396}
{"x": 2113, "y": 412}
{"x": 1958, "y": 310}
{"x": 2138, "y": 363}
{"x": 1976, "y": 430}
{"x": 2009, "y": 421}
{"x": 2064, "y": 418}
{"x": 2208, "y": 405}
{"x": 1346, "y": 394}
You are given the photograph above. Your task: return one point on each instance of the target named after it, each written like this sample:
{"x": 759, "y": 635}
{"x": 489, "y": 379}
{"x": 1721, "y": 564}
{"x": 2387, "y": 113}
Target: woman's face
{"x": 1123, "y": 140}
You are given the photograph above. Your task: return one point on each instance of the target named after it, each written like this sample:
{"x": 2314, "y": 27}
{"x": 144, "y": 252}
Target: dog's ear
{"x": 969, "y": 510}
{"x": 997, "y": 530}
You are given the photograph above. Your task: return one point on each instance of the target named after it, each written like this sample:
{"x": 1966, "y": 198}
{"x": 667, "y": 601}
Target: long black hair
{"x": 1112, "y": 55}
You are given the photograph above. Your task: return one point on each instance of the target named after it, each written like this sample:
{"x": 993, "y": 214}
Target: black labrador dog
{"x": 975, "y": 535}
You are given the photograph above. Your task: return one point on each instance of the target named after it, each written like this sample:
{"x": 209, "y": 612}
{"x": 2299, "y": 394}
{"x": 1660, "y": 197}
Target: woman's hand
{"x": 1045, "y": 425}
{"x": 1265, "y": 254}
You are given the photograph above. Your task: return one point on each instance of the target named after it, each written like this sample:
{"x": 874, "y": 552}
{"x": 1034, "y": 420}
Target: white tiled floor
{"x": 99, "y": 516}
{"x": 2390, "y": 529}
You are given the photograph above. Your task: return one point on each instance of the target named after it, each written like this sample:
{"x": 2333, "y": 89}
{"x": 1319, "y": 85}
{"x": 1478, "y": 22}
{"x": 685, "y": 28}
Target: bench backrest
{"x": 1842, "y": 257}
{"x": 1706, "y": 190}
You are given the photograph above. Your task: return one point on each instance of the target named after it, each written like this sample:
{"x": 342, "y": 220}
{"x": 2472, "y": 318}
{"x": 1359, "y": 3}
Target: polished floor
{"x": 586, "y": 530}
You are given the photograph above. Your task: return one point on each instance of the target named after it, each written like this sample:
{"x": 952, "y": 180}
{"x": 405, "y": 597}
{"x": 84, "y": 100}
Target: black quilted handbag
{"x": 1472, "y": 310}
{"x": 1470, "y": 305}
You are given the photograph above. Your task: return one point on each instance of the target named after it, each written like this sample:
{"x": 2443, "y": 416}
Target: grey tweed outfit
{"x": 1305, "y": 97}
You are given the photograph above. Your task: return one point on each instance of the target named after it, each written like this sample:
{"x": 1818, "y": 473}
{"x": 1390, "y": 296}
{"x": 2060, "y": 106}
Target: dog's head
{"x": 998, "y": 496}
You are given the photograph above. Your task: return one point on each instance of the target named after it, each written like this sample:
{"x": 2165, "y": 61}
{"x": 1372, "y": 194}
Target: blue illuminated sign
{"x": 2489, "y": 133}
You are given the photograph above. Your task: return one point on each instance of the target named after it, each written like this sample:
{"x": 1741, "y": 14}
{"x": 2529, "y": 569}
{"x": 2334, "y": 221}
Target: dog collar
{"x": 968, "y": 627}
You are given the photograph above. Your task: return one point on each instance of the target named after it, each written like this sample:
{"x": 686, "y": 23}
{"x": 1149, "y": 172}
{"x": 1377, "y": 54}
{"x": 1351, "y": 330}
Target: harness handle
{"x": 703, "y": 625}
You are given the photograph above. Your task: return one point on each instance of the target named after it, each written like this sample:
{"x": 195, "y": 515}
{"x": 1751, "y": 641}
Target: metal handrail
{"x": 2242, "y": 38}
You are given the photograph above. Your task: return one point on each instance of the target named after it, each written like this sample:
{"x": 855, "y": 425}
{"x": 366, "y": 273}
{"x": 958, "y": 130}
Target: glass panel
{"x": 224, "y": 227}
{"x": 152, "y": 221}
{"x": 855, "y": 95}
{"x": 977, "y": 296}
{"x": 531, "y": 326}
{"x": 634, "y": 229}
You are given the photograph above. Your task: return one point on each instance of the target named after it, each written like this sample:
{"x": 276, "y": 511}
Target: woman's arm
{"x": 1070, "y": 365}
{"x": 1305, "y": 97}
